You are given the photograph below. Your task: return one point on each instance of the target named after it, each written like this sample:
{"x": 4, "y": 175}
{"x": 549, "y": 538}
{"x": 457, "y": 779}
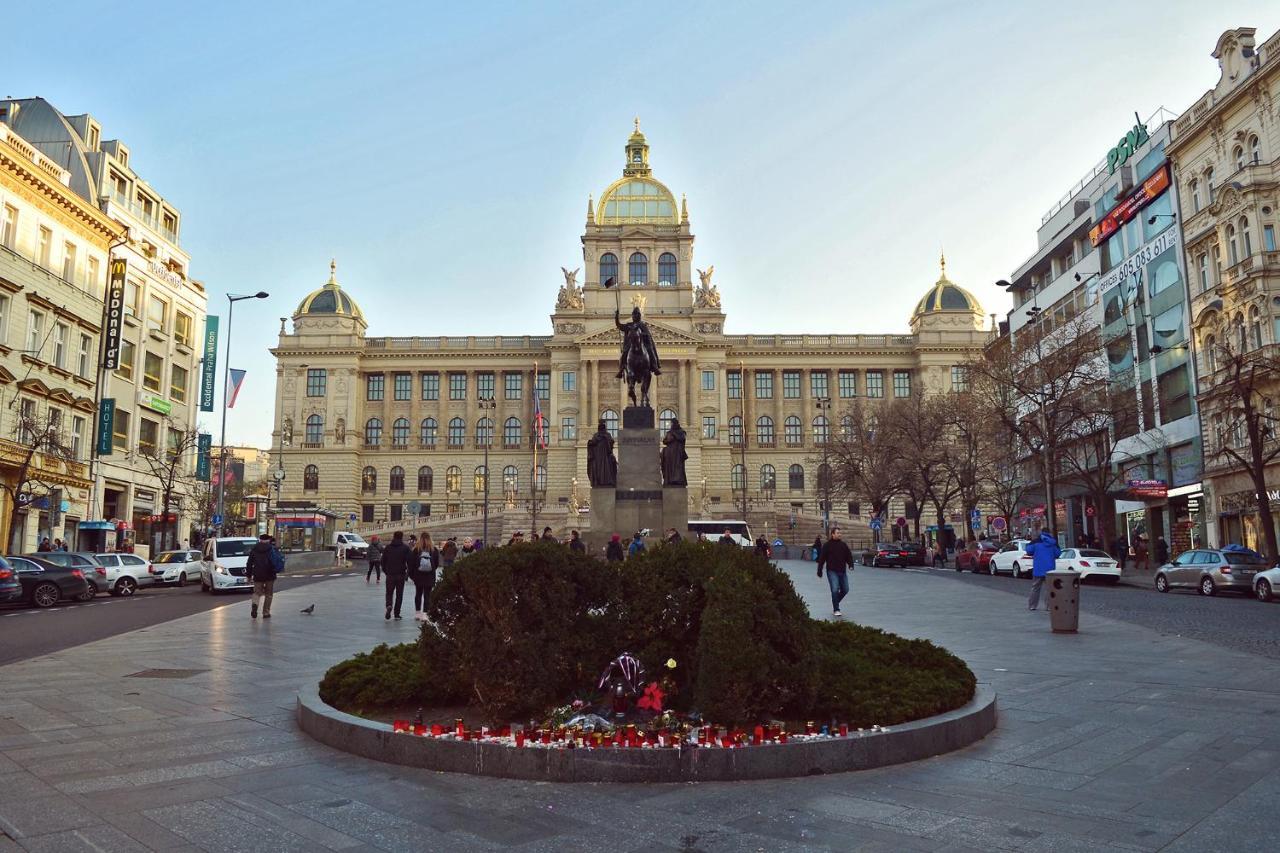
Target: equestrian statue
{"x": 639, "y": 360}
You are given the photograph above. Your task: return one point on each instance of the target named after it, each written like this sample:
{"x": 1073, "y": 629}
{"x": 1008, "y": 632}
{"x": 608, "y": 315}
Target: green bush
{"x": 866, "y": 677}
{"x": 387, "y": 676}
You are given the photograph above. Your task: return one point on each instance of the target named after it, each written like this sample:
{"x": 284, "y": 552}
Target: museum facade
{"x": 386, "y": 428}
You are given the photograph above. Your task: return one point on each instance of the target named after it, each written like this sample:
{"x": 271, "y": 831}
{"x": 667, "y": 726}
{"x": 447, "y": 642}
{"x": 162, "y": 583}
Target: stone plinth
{"x": 639, "y": 502}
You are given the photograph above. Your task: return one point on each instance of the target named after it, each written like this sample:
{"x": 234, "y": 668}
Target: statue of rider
{"x": 645, "y": 339}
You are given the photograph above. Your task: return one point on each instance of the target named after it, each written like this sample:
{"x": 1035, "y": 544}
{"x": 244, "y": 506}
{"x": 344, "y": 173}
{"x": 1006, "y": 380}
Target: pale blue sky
{"x": 444, "y": 152}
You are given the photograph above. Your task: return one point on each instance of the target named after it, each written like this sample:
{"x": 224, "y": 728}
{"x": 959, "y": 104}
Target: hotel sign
{"x": 113, "y": 314}
{"x": 106, "y": 424}
{"x": 1155, "y": 184}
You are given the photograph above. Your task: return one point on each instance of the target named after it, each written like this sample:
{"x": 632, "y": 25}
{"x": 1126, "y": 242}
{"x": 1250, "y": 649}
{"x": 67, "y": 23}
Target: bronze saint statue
{"x": 639, "y": 360}
{"x": 673, "y": 456}
{"x": 602, "y": 467}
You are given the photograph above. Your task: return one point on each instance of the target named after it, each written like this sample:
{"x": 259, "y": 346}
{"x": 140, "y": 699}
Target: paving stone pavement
{"x": 1117, "y": 738}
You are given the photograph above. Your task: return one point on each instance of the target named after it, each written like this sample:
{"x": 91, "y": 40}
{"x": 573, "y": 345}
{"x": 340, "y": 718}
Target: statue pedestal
{"x": 639, "y": 502}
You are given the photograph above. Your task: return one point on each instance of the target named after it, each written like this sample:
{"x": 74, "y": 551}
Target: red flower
{"x": 652, "y": 698}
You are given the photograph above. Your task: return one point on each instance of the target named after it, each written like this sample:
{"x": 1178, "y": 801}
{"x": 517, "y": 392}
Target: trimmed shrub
{"x": 384, "y": 677}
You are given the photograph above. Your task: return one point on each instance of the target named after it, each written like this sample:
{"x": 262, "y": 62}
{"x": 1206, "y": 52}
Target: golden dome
{"x": 946, "y": 295}
{"x": 330, "y": 299}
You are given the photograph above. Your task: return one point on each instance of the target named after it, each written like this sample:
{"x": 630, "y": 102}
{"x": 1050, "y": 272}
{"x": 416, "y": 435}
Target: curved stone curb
{"x": 907, "y": 742}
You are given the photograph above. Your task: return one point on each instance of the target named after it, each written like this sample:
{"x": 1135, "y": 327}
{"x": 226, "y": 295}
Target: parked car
{"x": 44, "y": 584}
{"x": 10, "y": 586}
{"x": 176, "y": 567}
{"x": 1089, "y": 562}
{"x": 1211, "y": 571}
{"x": 357, "y": 548}
{"x": 126, "y": 573}
{"x": 898, "y": 554}
{"x": 1011, "y": 559}
{"x": 978, "y": 559}
{"x": 85, "y": 561}
{"x": 1265, "y": 583}
{"x": 222, "y": 564}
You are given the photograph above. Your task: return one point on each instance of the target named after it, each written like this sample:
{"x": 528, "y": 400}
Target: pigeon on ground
{"x": 308, "y": 610}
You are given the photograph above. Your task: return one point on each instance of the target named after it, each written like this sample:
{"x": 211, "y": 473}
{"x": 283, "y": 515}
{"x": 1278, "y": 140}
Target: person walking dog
{"x": 836, "y": 557}
{"x": 1044, "y": 553}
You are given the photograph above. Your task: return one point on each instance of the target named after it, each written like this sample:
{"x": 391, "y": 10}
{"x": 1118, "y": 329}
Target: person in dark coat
{"x": 422, "y": 571}
{"x": 576, "y": 543}
{"x": 817, "y": 547}
{"x": 374, "y": 553}
{"x": 262, "y": 571}
{"x": 1120, "y": 550}
{"x": 1161, "y": 551}
{"x": 395, "y": 565}
{"x": 613, "y": 551}
{"x": 837, "y": 559}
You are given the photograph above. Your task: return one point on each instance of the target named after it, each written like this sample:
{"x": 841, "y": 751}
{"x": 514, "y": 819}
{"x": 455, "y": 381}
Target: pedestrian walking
{"x": 422, "y": 571}
{"x": 636, "y": 547}
{"x": 1120, "y": 550}
{"x": 448, "y": 552}
{"x": 261, "y": 569}
{"x": 817, "y": 547}
{"x": 673, "y": 536}
{"x": 44, "y": 546}
{"x": 1161, "y": 551}
{"x": 1140, "y": 552}
{"x": 726, "y": 538}
{"x": 1044, "y": 553}
{"x": 762, "y": 547}
{"x": 469, "y": 546}
{"x": 837, "y": 559}
{"x": 613, "y": 551}
{"x": 576, "y": 543}
{"x": 374, "y": 553}
{"x": 548, "y": 536}
{"x": 396, "y": 559}
{"x": 939, "y": 554}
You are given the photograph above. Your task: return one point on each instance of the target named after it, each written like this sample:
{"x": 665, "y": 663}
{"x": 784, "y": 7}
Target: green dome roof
{"x": 946, "y": 295}
{"x": 330, "y": 299}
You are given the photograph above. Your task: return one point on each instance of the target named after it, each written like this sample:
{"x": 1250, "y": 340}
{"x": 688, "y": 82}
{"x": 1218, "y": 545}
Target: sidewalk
{"x": 1116, "y": 738}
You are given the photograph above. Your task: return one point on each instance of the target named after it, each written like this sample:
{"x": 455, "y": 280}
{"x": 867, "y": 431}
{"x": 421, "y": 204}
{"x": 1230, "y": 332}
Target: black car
{"x": 94, "y": 572}
{"x": 44, "y": 584}
{"x": 898, "y": 554}
{"x": 10, "y": 586}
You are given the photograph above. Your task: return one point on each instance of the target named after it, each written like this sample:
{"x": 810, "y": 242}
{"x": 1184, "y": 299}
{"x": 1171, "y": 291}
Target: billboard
{"x": 209, "y": 368}
{"x": 113, "y": 314}
{"x": 1155, "y": 184}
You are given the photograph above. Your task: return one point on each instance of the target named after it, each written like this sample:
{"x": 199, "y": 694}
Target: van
{"x": 222, "y": 564}
{"x": 712, "y": 529}
{"x": 356, "y": 546}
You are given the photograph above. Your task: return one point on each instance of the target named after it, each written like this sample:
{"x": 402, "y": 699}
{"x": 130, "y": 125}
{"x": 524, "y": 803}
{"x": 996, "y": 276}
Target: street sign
{"x": 777, "y": 543}
{"x": 977, "y": 513}
{"x": 902, "y": 521}
{"x": 976, "y": 524}
{"x": 414, "y": 507}
{"x": 351, "y": 517}
{"x": 999, "y": 524}
{"x": 217, "y": 521}
{"x": 875, "y": 524}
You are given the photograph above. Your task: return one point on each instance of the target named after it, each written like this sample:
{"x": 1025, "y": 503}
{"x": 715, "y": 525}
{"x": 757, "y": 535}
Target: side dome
{"x": 329, "y": 299}
{"x": 946, "y": 296}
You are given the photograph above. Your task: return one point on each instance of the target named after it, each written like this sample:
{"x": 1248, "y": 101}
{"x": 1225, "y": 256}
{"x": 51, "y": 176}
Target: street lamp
{"x": 226, "y": 384}
{"x": 487, "y": 404}
{"x": 824, "y": 473}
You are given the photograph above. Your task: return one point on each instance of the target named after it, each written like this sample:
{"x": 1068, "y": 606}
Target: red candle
{"x": 458, "y": 727}
{"x": 726, "y": 741}
{"x": 419, "y": 729}
{"x": 808, "y": 728}
{"x": 520, "y": 737}
{"x": 844, "y": 730}
{"x": 782, "y": 736}
{"x": 400, "y": 726}
{"x": 436, "y": 730}
{"x": 546, "y": 735}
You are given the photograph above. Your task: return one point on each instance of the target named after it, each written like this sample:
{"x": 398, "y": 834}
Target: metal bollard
{"x": 1064, "y": 601}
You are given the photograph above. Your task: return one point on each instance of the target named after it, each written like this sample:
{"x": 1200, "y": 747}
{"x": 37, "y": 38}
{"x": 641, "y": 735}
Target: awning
{"x": 1191, "y": 489}
{"x": 97, "y": 525}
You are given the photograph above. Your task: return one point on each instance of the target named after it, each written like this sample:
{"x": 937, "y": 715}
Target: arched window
{"x": 453, "y": 479}
{"x": 427, "y": 432}
{"x": 768, "y": 478}
{"x": 369, "y": 480}
{"x": 1237, "y": 154}
{"x": 373, "y": 432}
{"x": 311, "y": 478}
{"x": 315, "y": 429}
{"x": 608, "y": 267}
{"x": 540, "y": 478}
{"x": 481, "y": 475}
{"x": 1246, "y": 238}
{"x": 664, "y": 421}
{"x": 735, "y": 430}
{"x": 736, "y": 477}
{"x": 1208, "y": 185}
{"x": 396, "y": 479}
{"x": 610, "y": 418}
{"x": 426, "y": 479}
{"x": 666, "y": 270}
{"x": 510, "y": 480}
{"x": 764, "y": 431}
{"x": 1233, "y": 252}
{"x": 638, "y": 269}
{"x": 1255, "y": 150}
{"x": 484, "y": 432}
{"x": 1211, "y": 354}
{"x": 1255, "y": 326}
{"x": 457, "y": 432}
{"x": 792, "y": 432}
{"x": 400, "y": 432}
{"x": 795, "y": 478}
{"x": 511, "y": 432}
{"x": 1195, "y": 195}
{"x": 846, "y": 427}
{"x": 821, "y": 430}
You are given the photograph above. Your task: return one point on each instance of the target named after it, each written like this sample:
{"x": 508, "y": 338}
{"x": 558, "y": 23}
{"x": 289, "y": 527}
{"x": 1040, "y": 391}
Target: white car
{"x": 177, "y": 567}
{"x": 1089, "y": 562}
{"x": 1266, "y": 583}
{"x": 125, "y": 573}
{"x": 1012, "y": 559}
{"x": 222, "y": 564}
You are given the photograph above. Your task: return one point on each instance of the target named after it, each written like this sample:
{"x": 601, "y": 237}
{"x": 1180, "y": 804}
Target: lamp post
{"x": 824, "y": 474}
{"x": 226, "y": 384}
{"x": 486, "y": 404}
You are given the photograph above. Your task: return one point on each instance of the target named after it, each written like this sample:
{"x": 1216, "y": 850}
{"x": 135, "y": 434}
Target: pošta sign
{"x": 106, "y": 424}
{"x": 1127, "y": 147}
{"x": 113, "y": 314}
{"x": 209, "y": 370}
{"x": 1149, "y": 489}
{"x": 1155, "y": 184}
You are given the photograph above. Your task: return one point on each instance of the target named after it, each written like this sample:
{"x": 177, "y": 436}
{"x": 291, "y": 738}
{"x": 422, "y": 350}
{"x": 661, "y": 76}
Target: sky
{"x": 443, "y": 152}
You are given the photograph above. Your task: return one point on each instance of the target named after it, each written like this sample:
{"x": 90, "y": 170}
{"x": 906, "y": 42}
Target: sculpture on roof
{"x": 570, "y": 296}
{"x": 708, "y": 295}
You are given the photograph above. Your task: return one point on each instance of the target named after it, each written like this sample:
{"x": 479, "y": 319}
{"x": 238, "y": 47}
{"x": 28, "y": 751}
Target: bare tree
{"x": 969, "y": 440}
{"x": 41, "y": 446}
{"x": 865, "y": 457}
{"x": 172, "y": 463}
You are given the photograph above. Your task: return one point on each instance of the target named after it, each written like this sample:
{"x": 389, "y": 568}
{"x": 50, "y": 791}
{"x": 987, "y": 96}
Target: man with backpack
{"x": 261, "y": 568}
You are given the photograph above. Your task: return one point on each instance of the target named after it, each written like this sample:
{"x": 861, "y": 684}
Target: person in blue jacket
{"x": 1044, "y": 552}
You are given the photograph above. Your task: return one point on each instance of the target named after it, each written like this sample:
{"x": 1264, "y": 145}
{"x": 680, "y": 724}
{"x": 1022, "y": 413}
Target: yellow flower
{"x": 671, "y": 663}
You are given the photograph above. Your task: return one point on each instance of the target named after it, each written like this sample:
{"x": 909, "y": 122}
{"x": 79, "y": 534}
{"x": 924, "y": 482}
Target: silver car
{"x": 1211, "y": 571}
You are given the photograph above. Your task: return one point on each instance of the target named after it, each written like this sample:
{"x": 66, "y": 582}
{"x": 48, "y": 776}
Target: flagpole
{"x": 533, "y": 476}
{"x": 226, "y": 382}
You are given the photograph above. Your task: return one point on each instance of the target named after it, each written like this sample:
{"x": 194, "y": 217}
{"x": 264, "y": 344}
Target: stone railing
{"x": 467, "y": 342}
{"x": 818, "y": 341}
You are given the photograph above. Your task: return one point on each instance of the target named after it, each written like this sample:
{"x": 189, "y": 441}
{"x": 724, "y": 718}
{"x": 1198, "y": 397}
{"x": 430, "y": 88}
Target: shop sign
{"x": 106, "y": 424}
{"x": 204, "y": 450}
{"x": 1127, "y": 147}
{"x": 154, "y": 403}
{"x": 1137, "y": 263}
{"x": 1151, "y": 188}
{"x": 209, "y": 369}
{"x": 113, "y": 314}
{"x": 1149, "y": 489}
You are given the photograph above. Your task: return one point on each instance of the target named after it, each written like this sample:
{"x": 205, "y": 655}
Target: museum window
{"x": 397, "y": 512}
{"x": 311, "y": 478}
{"x": 1202, "y": 267}
{"x": 315, "y": 430}
{"x": 396, "y": 480}
{"x": 510, "y": 480}
{"x": 902, "y": 383}
{"x": 513, "y": 386}
{"x": 666, "y": 270}
{"x": 708, "y": 380}
{"x": 511, "y": 432}
{"x": 457, "y": 386}
{"x": 426, "y": 478}
{"x": 790, "y": 384}
{"x": 764, "y": 384}
{"x": 959, "y": 378}
{"x": 431, "y": 386}
{"x": 152, "y": 368}
{"x": 317, "y": 381}
{"x": 479, "y": 479}
{"x": 400, "y": 432}
{"x": 1208, "y": 184}
{"x": 484, "y": 432}
{"x": 369, "y": 480}
{"x": 610, "y": 418}
{"x": 366, "y": 512}
{"x": 734, "y": 384}
{"x": 608, "y": 267}
{"x": 484, "y": 386}
{"x": 568, "y": 381}
{"x": 819, "y": 387}
{"x": 764, "y": 431}
{"x": 875, "y": 383}
{"x": 795, "y": 478}
{"x": 373, "y": 432}
{"x": 638, "y": 269}
{"x": 846, "y": 427}
{"x": 735, "y": 431}
{"x": 427, "y": 432}
{"x": 453, "y": 479}
{"x": 821, "y": 430}
{"x": 768, "y": 478}
{"x": 737, "y": 477}
{"x": 709, "y": 428}
{"x": 792, "y": 431}
{"x": 177, "y": 383}
{"x": 568, "y": 429}
{"x": 848, "y": 384}
{"x": 403, "y": 386}
{"x": 540, "y": 478}
{"x": 542, "y": 384}
{"x": 374, "y": 387}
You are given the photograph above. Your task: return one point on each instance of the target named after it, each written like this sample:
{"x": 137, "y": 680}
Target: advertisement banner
{"x": 106, "y": 424}
{"x": 1157, "y": 489}
{"x": 204, "y": 449}
{"x": 1126, "y": 210}
{"x": 113, "y": 314}
{"x": 209, "y": 370}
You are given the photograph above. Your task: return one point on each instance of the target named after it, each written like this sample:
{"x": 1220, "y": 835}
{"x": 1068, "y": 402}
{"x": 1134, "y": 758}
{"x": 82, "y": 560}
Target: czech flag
{"x": 539, "y": 422}
{"x": 237, "y": 380}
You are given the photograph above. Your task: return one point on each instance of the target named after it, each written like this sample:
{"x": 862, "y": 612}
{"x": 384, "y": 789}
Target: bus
{"x": 713, "y": 529}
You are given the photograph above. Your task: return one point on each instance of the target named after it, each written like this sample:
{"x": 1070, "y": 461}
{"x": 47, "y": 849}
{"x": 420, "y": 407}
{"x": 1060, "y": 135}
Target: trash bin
{"x": 1064, "y": 601}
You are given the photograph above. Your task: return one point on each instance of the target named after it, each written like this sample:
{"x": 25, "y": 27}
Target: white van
{"x": 713, "y": 529}
{"x": 222, "y": 564}
{"x": 356, "y": 546}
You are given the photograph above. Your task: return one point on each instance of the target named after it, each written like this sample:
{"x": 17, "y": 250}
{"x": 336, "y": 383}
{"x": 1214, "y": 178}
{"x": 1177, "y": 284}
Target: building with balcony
{"x": 155, "y": 386}
{"x": 54, "y": 246}
{"x": 1226, "y": 152}
{"x": 382, "y": 427}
